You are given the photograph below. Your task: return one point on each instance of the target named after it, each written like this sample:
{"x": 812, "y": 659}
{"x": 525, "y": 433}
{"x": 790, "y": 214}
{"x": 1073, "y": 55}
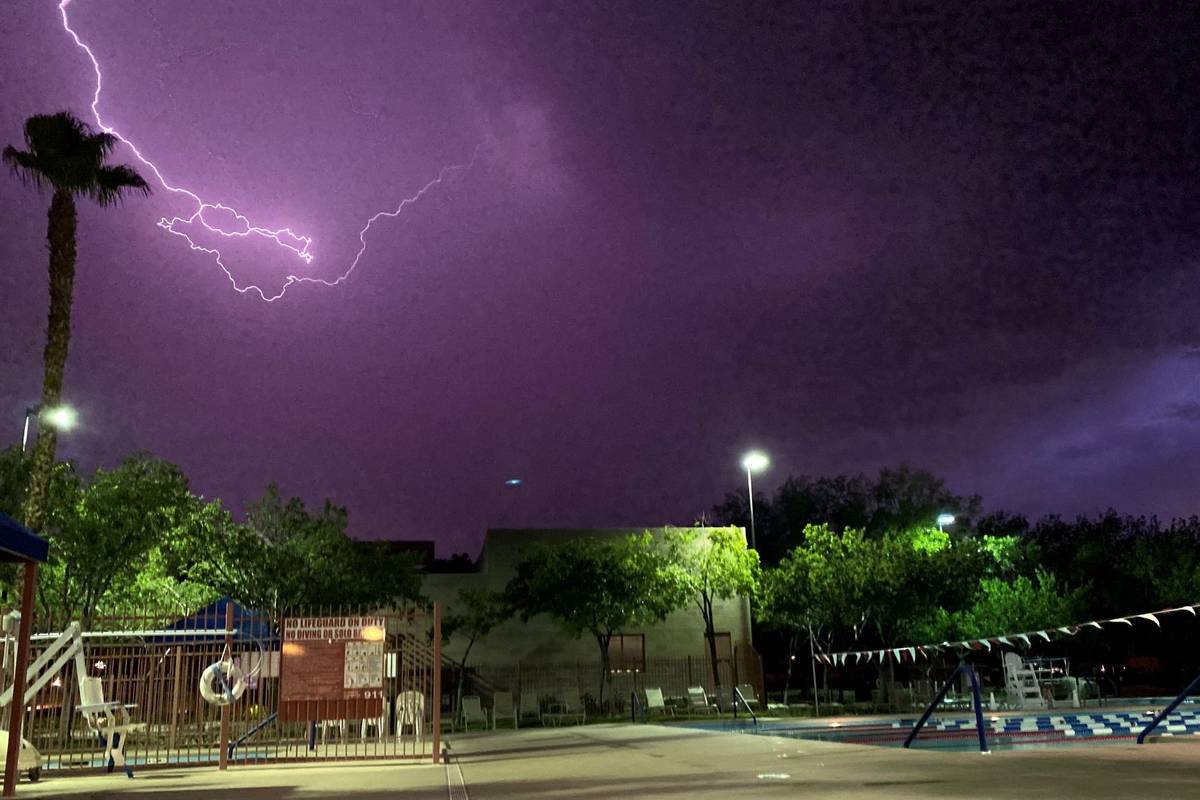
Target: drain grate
{"x": 456, "y": 787}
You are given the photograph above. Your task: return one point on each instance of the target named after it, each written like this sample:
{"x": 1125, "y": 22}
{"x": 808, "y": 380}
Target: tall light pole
{"x": 944, "y": 520}
{"x": 753, "y": 461}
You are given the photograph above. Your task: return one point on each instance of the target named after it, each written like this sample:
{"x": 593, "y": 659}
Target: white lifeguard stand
{"x": 108, "y": 720}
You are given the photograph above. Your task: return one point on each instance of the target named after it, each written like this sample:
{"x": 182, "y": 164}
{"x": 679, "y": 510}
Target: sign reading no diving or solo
{"x": 331, "y": 668}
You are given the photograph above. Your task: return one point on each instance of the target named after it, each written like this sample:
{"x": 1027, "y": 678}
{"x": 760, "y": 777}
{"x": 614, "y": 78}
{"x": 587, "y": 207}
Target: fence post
{"x": 17, "y": 712}
{"x": 175, "y": 697}
{"x": 223, "y": 755}
{"x": 437, "y": 683}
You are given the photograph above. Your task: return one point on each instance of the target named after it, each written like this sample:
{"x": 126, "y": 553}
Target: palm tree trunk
{"x": 60, "y": 232}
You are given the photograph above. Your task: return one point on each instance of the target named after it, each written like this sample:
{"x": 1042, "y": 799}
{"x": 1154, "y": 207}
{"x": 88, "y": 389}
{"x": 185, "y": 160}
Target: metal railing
{"x": 738, "y": 698}
{"x": 636, "y": 708}
{"x": 961, "y": 668}
{"x": 1166, "y": 712}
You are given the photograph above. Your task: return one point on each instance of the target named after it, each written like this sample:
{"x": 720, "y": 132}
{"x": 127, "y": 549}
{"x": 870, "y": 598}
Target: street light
{"x": 60, "y": 417}
{"x": 753, "y": 461}
{"x": 943, "y": 520}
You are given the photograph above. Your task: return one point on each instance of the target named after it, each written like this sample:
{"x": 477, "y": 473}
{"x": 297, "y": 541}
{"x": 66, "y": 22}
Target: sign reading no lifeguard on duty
{"x": 331, "y": 668}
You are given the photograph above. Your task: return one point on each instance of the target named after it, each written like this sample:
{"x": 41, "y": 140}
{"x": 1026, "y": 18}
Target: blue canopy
{"x": 18, "y": 543}
{"x": 250, "y": 625}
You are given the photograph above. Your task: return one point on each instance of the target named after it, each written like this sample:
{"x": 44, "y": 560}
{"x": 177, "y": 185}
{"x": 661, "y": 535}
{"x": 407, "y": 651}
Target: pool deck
{"x": 595, "y": 762}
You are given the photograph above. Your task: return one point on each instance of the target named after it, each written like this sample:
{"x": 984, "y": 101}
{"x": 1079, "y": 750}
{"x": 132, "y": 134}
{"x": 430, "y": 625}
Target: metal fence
{"x": 550, "y": 680}
{"x": 153, "y": 663}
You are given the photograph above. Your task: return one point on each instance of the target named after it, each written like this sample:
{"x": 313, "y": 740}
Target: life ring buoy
{"x": 222, "y": 683}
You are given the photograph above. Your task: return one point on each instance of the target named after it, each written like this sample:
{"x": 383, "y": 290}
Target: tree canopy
{"x": 597, "y": 586}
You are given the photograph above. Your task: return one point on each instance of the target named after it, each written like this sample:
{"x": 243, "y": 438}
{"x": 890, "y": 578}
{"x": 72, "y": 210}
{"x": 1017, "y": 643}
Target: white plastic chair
{"x": 410, "y": 710}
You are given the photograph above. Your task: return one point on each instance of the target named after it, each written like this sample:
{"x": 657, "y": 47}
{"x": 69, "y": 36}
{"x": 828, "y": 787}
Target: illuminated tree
{"x": 103, "y": 532}
{"x": 474, "y": 616}
{"x": 599, "y": 586}
{"x": 713, "y": 565}
{"x": 68, "y": 157}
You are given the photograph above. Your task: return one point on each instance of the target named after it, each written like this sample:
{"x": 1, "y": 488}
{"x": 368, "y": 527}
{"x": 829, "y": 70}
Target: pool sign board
{"x": 331, "y": 668}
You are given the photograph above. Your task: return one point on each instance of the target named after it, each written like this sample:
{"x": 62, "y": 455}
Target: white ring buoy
{"x": 222, "y": 683}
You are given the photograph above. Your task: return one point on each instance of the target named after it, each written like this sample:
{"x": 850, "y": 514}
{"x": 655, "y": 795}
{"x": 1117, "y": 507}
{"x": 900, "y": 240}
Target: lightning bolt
{"x": 241, "y": 226}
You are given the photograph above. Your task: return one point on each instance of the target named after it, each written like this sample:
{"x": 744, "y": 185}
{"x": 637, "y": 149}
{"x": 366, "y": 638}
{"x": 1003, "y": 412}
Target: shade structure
{"x": 18, "y": 543}
{"x": 251, "y": 626}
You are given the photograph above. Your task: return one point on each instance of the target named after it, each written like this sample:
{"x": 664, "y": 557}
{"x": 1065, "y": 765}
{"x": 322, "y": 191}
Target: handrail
{"x": 1162, "y": 715}
{"x": 962, "y": 667}
{"x": 635, "y": 705}
{"x": 737, "y": 695}
{"x": 238, "y": 742}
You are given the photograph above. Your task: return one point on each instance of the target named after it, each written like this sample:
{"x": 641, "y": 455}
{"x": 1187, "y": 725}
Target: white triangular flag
{"x": 1122, "y": 619}
{"x": 1095, "y": 625}
{"x": 1150, "y": 617}
{"x": 1023, "y": 637}
{"x": 912, "y": 652}
{"x": 1044, "y": 635}
{"x": 986, "y": 644}
{"x": 1004, "y": 640}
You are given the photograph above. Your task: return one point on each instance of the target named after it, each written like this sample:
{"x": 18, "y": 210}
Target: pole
{"x": 25, "y": 433}
{"x": 223, "y": 756}
{"x": 17, "y": 709}
{"x": 437, "y": 684}
{"x": 750, "y": 497}
{"x": 812, "y": 653}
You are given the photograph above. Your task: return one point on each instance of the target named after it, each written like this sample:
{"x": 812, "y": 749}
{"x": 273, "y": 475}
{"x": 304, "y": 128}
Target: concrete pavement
{"x": 660, "y": 761}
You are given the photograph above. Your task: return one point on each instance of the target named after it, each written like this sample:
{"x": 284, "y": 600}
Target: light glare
{"x": 755, "y": 461}
{"x": 63, "y": 418}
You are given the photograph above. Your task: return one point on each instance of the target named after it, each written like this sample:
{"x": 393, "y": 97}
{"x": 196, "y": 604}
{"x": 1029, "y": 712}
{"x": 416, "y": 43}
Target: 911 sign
{"x": 332, "y": 668}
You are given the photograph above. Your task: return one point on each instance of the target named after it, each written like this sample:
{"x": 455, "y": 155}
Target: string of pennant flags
{"x": 911, "y": 653}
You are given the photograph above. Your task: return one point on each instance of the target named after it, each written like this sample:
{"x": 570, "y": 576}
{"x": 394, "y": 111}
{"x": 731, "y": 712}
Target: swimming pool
{"x": 1007, "y": 732}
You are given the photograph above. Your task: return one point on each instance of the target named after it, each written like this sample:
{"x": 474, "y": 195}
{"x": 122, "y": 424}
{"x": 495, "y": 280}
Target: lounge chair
{"x": 655, "y": 702}
{"x": 108, "y": 720}
{"x": 747, "y": 693}
{"x": 569, "y": 704}
{"x": 472, "y": 711}
{"x": 698, "y": 702}
{"x": 503, "y": 708}
{"x": 531, "y": 705}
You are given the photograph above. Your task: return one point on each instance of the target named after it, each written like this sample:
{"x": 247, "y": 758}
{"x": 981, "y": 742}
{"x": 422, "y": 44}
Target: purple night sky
{"x": 853, "y": 236}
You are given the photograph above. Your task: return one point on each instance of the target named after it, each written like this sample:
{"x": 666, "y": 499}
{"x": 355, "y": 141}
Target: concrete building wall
{"x": 539, "y": 639}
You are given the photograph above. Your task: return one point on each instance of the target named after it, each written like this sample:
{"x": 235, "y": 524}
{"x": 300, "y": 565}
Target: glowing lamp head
{"x": 755, "y": 461}
{"x": 945, "y": 519}
{"x": 62, "y": 418}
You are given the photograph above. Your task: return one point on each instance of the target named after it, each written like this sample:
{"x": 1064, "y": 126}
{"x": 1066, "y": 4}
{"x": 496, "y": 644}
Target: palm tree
{"x": 67, "y": 156}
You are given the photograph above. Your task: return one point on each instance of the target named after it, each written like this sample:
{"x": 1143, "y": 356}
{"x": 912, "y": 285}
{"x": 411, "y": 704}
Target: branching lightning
{"x": 298, "y": 244}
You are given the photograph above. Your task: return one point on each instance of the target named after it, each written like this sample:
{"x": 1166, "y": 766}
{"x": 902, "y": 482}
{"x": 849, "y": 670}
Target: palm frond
{"x": 24, "y": 165}
{"x": 111, "y": 184}
{"x": 65, "y": 153}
